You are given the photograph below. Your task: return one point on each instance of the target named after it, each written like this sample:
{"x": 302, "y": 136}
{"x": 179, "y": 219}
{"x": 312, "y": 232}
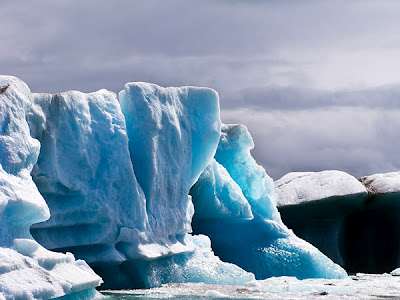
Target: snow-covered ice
{"x": 316, "y": 205}
{"x": 303, "y": 187}
{"x": 386, "y": 183}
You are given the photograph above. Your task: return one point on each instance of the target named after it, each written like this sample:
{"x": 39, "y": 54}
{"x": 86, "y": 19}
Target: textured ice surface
{"x": 386, "y": 183}
{"x": 117, "y": 176}
{"x": 233, "y": 154}
{"x": 173, "y": 134}
{"x": 316, "y": 204}
{"x": 27, "y": 270}
{"x": 200, "y": 265}
{"x": 395, "y": 272}
{"x": 85, "y": 174}
{"x": 219, "y": 196}
{"x": 360, "y": 286}
{"x": 332, "y": 211}
{"x": 261, "y": 244}
{"x": 303, "y": 187}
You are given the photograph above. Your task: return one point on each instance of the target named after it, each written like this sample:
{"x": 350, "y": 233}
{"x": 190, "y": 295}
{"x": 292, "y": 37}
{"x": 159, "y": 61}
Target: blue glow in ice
{"x": 117, "y": 177}
{"x": 28, "y": 271}
{"x": 217, "y": 195}
{"x": 263, "y": 244}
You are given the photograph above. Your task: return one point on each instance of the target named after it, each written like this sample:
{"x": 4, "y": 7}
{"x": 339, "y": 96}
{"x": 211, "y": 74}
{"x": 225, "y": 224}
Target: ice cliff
{"x": 324, "y": 200}
{"x": 116, "y": 177}
{"x": 235, "y": 205}
{"x": 116, "y": 174}
{"x": 27, "y": 270}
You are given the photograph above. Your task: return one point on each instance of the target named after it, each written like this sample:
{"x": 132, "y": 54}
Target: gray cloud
{"x": 358, "y": 140}
{"x": 43, "y": 39}
{"x": 296, "y": 98}
{"x": 302, "y": 75}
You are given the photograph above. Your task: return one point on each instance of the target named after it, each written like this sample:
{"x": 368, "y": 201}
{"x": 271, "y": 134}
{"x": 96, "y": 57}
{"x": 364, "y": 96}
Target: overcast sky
{"x": 316, "y": 82}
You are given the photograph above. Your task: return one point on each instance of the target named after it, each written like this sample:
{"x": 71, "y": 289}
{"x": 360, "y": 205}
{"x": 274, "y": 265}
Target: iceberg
{"x": 116, "y": 176}
{"x": 237, "y": 210}
{"x": 375, "y": 227}
{"x": 85, "y": 175}
{"x": 352, "y": 221}
{"x": 318, "y": 205}
{"x": 27, "y": 270}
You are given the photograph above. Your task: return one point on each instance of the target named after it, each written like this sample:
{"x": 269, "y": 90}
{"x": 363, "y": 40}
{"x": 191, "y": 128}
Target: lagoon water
{"x": 359, "y": 286}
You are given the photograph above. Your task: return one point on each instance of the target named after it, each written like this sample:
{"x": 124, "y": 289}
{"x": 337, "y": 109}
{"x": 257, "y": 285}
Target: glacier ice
{"x": 233, "y": 154}
{"x": 173, "y": 134}
{"x": 85, "y": 175}
{"x": 27, "y": 270}
{"x": 221, "y": 197}
{"x": 116, "y": 178}
{"x": 261, "y": 244}
{"x": 116, "y": 173}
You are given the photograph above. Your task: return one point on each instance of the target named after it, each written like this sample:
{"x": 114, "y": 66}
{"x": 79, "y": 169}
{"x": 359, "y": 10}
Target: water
{"x": 360, "y": 286}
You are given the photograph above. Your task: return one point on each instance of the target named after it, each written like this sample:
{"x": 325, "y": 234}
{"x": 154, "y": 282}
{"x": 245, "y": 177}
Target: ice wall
{"x": 85, "y": 174}
{"x": 316, "y": 206}
{"x": 353, "y": 221}
{"x": 117, "y": 181}
{"x": 27, "y": 270}
{"x": 173, "y": 134}
{"x": 261, "y": 244}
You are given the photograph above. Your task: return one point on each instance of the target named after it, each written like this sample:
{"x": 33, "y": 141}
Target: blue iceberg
{"x": 115, "y": 173}
{"x": 27, "y": 270}
{"x": 116, "y": 177}
{"x": 237, "y": 210}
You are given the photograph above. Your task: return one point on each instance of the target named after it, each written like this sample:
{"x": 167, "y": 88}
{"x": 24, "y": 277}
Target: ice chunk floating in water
{"x": 27, "y": 270}
{"x": 261, "y": 244}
